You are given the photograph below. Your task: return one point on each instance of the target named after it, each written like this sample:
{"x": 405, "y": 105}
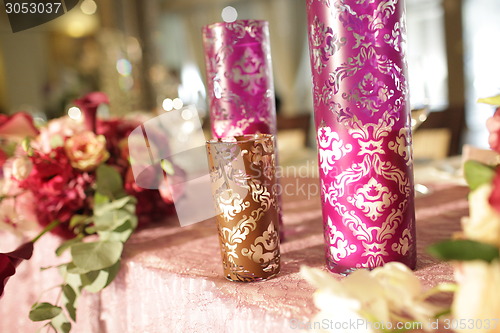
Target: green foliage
{"x": 477, "y": 174}
{"x": 61, "y": 323}
{"x": 95, "y": 256}
{"x": 67, "y": 244}
{"x": 69, "y": 300}
{"x": 44, "y": 311}
{"x": 93, "y": 265}
{"x": 464, "y": 250}
{"x": 97, "y": 280}
{"x": 109, "y": 182}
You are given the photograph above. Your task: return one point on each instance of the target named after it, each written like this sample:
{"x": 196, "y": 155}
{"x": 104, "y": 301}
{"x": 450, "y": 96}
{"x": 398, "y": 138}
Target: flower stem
{"x": 48, "y": 228}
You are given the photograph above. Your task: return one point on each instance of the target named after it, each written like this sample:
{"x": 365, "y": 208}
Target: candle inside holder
{"x": 242, "y": 170}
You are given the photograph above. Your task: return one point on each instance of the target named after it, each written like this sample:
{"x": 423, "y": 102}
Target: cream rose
{"x": 86, "y": 151}
{"x": 477, "y": 300}
{"x": 382, "y": 295}
{"x": 21, "y": 167}
{"x": 483, "y": 223}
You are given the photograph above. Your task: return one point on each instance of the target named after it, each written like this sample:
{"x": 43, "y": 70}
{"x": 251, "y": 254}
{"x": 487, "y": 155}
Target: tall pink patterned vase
{"x": 240, "y": 80}
{"x": 361, "y": 109}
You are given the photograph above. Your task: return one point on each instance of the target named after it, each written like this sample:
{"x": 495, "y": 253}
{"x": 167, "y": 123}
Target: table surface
{"x": 171, "y": 277}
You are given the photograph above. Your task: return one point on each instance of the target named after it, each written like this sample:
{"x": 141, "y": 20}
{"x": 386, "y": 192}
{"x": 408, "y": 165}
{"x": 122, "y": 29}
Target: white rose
{"x": 21, "y": 167}
{"x": 404, "y": 291}
{"x": 351, "y": 300}
{"x": 385, "y": 294}
{"x": 478, "y": 296}
{"x": 483, "y": 223}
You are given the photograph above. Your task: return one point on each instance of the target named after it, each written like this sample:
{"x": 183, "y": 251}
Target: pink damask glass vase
{"x": 240, "y": 80}
{"x": 360, "y": 89}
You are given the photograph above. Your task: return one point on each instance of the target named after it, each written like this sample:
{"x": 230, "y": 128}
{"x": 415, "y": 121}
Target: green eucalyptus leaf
{"x": 122, "y": 233}
{"x": 464, "y": 250}
{"x": 44, "y": 268}
{"x": 134, "y": 221}
{"x": 100, "y": 199}
{"x": 73, "y": 269}
{"x": 494, "y": 100}
{"x": 89, "y": 278}
{"x": 90, "y": 230}
{"x": 44, "y": 311}
{"x": 111, "y": 220}
{"x": 69, "y": 297}
{"x": 61, "y": 323}
{"x": 130, "y": 207}
{"x": 97, "y": 280}
{"x": 109, "y": 182}
{"x": 96, "y": 255}
{"x": 72, "y": 279}
{"x": 78, "y": 220}
{"x": 67, "y": 244}
{"x": 114, "y": 205}
{"x": 477, "y": 174}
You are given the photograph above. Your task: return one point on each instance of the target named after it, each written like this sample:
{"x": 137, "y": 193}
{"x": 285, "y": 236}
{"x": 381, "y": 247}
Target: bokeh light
{"x": 229, "y": 14}
{"x": 177, "y": 103}
{"x": 124, "y": 67}
{"x": 74, "y": 113}
{"x": 88, "y": 7}
{"x": 168, "y": 104}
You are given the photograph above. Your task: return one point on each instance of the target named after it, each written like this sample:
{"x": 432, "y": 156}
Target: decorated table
{"x": 171, "y": 277}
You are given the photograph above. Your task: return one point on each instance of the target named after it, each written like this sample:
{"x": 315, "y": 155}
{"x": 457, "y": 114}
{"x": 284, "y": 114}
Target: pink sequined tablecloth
{"x": 171, "y": 277}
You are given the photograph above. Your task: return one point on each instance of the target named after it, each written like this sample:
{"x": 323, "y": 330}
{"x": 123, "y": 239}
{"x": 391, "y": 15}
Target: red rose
{"x": 116, "y": 131}
{"x": 9, "y": 262}
{"x": 59, "y": 190}
{"x": 89, "y": 104}
{"x": 151, "y": 206}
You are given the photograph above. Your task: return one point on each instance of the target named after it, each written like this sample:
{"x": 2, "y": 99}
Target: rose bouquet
{"x": 476, "y": 250}
{"x": 75, "y": 180}
{"x": 393, "y": 294}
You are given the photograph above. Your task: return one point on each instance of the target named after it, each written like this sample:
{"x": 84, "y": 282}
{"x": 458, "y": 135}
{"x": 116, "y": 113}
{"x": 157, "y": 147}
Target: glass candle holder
{"x": 362, "y": 118}
{"x": 244, "y": 187}
{"x": 240, "y": 80}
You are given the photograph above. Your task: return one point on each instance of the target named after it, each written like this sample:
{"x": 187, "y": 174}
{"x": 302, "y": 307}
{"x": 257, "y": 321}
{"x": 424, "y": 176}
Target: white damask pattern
{"x": 373, "y": 199}
{"x": 340, "y": 247}
{"x": 331, "y": 148}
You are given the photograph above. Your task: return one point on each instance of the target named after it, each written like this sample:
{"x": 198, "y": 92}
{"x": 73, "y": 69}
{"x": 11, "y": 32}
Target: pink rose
{"x": 18, "y": 126}
{"x": 56, "y": 131}
{"x": 494, "y": 199}
{"x": 493, "y": 126}
{"x": 86, "y": 151}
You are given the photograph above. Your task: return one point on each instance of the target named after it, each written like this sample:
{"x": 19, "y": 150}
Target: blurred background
{"x": 147, "y": 55}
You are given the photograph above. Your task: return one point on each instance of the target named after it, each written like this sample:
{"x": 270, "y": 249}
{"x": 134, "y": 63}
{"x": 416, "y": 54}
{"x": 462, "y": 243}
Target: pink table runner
{"x": 171, "y": 278}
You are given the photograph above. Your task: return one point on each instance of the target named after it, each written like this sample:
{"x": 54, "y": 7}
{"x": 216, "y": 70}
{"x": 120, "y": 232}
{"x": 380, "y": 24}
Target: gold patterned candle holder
{"x": 242, "y": 170}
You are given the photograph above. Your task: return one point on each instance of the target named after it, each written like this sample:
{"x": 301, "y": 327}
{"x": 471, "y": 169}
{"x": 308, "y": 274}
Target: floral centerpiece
{"x": 74, "y": 180}
{"x": 391, "y": 298}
